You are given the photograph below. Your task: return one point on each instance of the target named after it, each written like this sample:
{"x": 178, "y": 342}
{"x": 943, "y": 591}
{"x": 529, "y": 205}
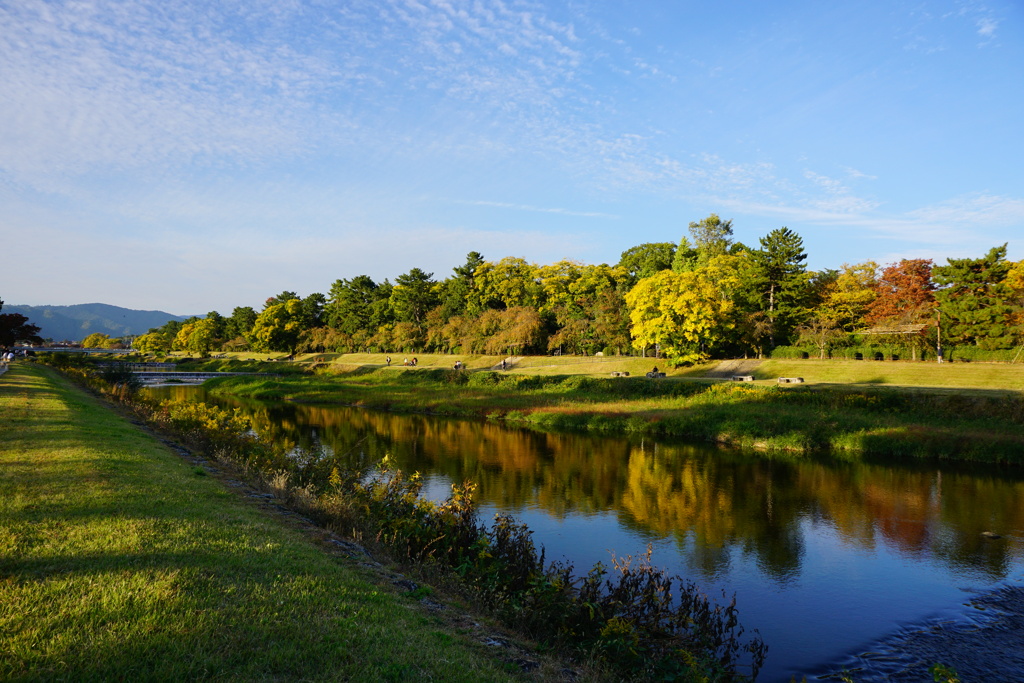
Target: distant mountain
{"x": 75, "y": 323}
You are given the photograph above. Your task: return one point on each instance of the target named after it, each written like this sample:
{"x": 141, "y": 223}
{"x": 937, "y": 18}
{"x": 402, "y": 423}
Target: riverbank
{"x": 123, "y": 560}
{"x": 960, "y": 376}
{"x": 856, "y": 420}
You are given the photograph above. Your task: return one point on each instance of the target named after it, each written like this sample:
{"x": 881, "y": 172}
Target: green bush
{"x": 976, "y": 354}
{"x": 790, "y": 352}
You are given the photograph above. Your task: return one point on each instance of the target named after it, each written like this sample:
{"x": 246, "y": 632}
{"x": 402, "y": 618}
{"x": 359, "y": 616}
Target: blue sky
{"x": 196, "y": 156}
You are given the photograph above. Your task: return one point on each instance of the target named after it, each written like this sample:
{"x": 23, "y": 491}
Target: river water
{"x": 826, "y": 557}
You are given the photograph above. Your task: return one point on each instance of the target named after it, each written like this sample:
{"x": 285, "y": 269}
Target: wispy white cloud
{"x": 987, "y": 27}
{"x": 312, "y": 131}
{"x": 538, "y": 209}
{"x": 858, "y": 175}
{"x": 964, "y": 223}
{"x": 974, "y": 211}
{"x": 119, "y": 86}
{"x": 837, "y": 197}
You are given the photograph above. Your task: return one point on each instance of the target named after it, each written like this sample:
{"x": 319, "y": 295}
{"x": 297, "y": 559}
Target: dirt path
{"x": 740, "y": 366}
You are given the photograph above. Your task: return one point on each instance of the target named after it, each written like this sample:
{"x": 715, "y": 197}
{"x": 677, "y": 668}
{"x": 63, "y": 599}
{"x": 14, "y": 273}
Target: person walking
{"x": 388, "y": 359}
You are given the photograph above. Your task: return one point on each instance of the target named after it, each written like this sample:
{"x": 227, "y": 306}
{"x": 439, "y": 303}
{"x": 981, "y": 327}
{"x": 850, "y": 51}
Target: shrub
{"x": 633, "y": 619}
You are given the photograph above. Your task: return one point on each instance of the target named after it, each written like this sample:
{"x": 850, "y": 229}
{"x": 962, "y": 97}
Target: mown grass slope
{"x": 988, "y": 376}
{"x": 121, "y": 561}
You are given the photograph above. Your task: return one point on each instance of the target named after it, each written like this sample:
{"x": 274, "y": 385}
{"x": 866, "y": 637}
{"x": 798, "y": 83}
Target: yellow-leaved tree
{"x": 97, "y": 340}
{"x": 278, "y": 327}
{"x": 152, "y": 342}
{"x": 686, "y": 314}
{"x": 196, "y": 336}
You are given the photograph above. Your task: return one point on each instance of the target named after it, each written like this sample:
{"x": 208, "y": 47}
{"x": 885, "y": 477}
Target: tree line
{"x": 707, "y": 296}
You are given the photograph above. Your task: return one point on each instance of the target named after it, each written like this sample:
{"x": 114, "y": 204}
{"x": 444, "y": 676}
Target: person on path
{"x": 388, "y": 359}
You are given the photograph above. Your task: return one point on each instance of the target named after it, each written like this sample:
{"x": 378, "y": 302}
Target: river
{"x": 826, "y": 557}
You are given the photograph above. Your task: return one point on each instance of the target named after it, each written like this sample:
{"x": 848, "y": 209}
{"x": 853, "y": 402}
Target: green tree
{"x": 977, "y": 301}
{"x": 611, "y": 320}
{"x": 645, "y": 260}
{"x": 509, "y": 283}
{"x": 281, "y": 298}
{"x": 556, "y": 284}
{"x": 686, "y": 257}
{"x": 313, "y": 310}
{"x": 278, "y": 327}
{"x": 711, "y": 237}
{"x": 219, "y": 324}
{"x": 240, "y": 323}
{"x": 580, "y": 298}
{"x": 14, "y": 328}
{"x": 456, "y": 292}
{"x": 780, "y": 282}
{"x": 413, "y": 296}
{"x": 821, "y": 330}
{"x": 357, "y": 305}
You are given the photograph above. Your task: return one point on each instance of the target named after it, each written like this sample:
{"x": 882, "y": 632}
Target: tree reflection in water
{"x": 769, "y": 523}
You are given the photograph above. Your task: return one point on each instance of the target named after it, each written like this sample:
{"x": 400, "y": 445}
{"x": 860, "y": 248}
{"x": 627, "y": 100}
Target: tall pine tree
{"x": 779, "y": 286}
{"x": 976, "y": 301}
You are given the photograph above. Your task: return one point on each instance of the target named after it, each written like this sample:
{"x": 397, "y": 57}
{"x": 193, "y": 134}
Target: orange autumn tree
{"x": 904, "y": 302}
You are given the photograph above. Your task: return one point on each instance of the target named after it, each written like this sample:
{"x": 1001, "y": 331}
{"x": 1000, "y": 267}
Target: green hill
{"x": 75, "y": 323}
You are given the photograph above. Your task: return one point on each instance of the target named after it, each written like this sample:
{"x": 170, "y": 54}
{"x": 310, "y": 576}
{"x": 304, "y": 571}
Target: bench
{"x": 655, "y": 375}
{"x": 791, "y": 380}
{"x": 620, "y": 374}
{"x": 742, "y": 378}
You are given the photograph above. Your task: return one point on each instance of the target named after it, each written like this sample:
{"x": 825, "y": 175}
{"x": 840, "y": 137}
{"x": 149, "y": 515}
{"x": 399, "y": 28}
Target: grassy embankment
{"x": 961, "y": 411}
{"x": 985, "y": 377}
{"x": 121, "y": 561}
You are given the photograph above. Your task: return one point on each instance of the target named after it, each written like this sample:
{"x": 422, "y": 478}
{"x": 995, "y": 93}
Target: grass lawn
{"x": 1005, "y": 376}
{"x": 985, "y": 376}
{"x": 119, "y": 560}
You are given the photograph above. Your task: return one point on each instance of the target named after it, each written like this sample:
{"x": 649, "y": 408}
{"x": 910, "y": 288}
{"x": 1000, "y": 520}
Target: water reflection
{"x": 879, "y": 542}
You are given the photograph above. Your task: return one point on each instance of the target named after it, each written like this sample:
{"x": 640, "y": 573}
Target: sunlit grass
{"x": 119, "y": 562}
{"x": 1008, "y": 376}
{"x": 965, "y": 424}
